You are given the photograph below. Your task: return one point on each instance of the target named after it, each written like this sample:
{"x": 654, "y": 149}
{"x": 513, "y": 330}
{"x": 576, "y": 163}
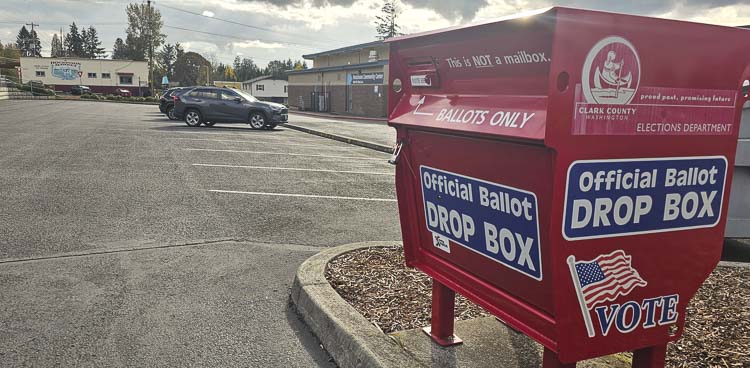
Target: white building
{"x": 102, "y": 75}
{"x": 267, "y": 88}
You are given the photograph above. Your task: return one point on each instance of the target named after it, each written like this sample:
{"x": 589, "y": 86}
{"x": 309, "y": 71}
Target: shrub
{"x": 36, "y": 90}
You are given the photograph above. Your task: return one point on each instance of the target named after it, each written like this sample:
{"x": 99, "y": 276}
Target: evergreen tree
{"x": 278, "y": 68}
{"x": 386, "y": 25}
{"x": 57, "y": 47}
{"x": 73, "y": 43}
{"x": 119, "y": 50}
{"x": 135, "y": 48}
{"x": 179, "y": 51}
{"x": 245, "y": 69}
{"x": 35, "y": 44}
{"x": 91, "y": 43}
{"x": 166, "y": 59}
{"x": 23, "y": 41}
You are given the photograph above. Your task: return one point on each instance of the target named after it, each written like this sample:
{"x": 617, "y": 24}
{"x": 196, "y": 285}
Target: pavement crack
{"x": 95, "y": 252}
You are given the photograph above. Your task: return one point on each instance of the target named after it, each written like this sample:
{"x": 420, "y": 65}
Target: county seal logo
{"x": 611, "y": 72}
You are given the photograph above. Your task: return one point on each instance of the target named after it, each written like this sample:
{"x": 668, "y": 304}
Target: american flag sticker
{"x": 603, "y": 279}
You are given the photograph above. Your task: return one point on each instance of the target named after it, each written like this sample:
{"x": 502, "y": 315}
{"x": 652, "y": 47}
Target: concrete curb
{"x": 348, "y": 336}
{"x": 339, "y": 117}
{"x": 342, "y": 138}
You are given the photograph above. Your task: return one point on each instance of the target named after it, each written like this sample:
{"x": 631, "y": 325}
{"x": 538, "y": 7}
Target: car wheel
{"x": 193, "y": 118}
{"x": 170, "y": 113}
{"x": 257, "y": 120}
{"x": 209, "y": 123}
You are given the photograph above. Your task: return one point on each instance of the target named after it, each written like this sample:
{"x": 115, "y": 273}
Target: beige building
{"x": 101, "y": 75}
{"x": 349, "y": 80}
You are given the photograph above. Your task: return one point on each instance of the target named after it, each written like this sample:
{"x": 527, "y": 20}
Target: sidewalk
{"x": 355, "y": 131}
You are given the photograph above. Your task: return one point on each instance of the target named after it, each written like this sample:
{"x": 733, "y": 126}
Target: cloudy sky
{"x": 289, "y": 28}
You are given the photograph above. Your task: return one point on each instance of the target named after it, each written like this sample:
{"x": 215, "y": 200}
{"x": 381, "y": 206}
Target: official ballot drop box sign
{"x": 569, "y": 170}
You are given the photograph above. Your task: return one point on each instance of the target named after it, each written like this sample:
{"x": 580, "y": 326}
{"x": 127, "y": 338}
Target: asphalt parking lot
{"x": 130, "y": 240}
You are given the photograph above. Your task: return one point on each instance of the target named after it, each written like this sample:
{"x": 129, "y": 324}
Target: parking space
{"x": 101, "y": 175}
{"x": 107, "y": 188}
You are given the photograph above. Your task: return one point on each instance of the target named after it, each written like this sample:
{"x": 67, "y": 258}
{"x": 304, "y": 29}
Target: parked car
{"x": 211, "y": 105}
{"x": 79, "y": 90}
{"x": 122, "y": 92}
{"x": 166, "y": 101}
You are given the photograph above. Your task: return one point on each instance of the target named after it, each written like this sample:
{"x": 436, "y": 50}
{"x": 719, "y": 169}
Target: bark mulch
{"x": 394, "y": 298}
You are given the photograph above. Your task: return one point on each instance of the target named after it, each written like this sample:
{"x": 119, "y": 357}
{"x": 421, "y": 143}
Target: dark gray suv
{"x": 211, "y": 105}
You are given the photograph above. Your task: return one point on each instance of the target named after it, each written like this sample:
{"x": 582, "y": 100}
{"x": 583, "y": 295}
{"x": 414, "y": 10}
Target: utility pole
{"x": 150, "y": 47}
{"x": 30, "y": 40}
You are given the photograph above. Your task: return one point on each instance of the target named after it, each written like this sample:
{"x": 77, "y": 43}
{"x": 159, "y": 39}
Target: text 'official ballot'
{"x": 606, "y": 198}
{"x": 496, "y": 221}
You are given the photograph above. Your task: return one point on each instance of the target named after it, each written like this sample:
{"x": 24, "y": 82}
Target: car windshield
{"x": 246, "y": 96}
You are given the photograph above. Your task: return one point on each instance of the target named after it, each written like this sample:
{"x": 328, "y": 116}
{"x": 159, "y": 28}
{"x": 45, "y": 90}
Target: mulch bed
{"x": 394, "y": 298}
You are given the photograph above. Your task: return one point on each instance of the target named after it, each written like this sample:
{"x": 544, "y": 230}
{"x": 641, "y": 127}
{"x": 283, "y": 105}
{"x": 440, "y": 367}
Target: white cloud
{"x": 735, "y": 15}
{"x": 257, "y": 45}
{"x": 208, "y": 13}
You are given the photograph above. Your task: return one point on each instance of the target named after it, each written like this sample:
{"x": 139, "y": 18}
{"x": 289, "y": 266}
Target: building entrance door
{"x": 321, "y": 101}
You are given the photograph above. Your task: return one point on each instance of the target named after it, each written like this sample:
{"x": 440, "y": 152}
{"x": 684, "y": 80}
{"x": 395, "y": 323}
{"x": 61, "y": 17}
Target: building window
{"x": 92, "y": 75}
{"x": 285, "y": 89}
{"x": 106, "y": 76}
{"x": 40, "y": 73}
{"x": 259, "y": 87}
{"x": 126, "y": 79}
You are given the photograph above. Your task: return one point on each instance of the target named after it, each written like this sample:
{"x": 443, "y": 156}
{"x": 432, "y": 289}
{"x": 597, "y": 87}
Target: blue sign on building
{"x": 494, "y": 220}
{"x": 607, "y": 198}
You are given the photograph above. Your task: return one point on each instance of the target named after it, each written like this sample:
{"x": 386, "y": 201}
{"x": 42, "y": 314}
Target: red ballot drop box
{"x": 568, "y": 171}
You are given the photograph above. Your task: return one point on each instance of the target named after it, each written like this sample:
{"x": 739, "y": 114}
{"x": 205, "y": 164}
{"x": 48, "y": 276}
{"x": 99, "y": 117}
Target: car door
{"x": 233, "y": 110}
{"x": 206, "y": 100}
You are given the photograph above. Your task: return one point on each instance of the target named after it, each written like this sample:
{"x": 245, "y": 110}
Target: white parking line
{"x": 295, "y": 169}
{"x": 214, "y": 131}
{"x": 304, "y": 195}
{"x": 285, "y": 154}
{"x": 255, "y": 142}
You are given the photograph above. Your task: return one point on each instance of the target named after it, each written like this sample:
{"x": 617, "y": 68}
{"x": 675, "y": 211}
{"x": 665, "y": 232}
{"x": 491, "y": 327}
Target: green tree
{"x": 135, "y": 50}
{"x": 10, "y": 51}
{"x": 35, "y": 44}
{"x": 191, "y": 69}
{"x": 57, "y": 49}
{"x": 276, "y": 69}
{"x": 179, "y": 51}
{"x": 245, "y": 69}
{"x": 166, "y": 59}
{"x": 91, "y": 43}
{"x": 386, "y": 23}
{"x": 218, "y": 72}
{"x": 144, "y": 32}
{"x": 119, "y": 50}
{"x": 23, "y": 41}
{"x": 73, "y": 43}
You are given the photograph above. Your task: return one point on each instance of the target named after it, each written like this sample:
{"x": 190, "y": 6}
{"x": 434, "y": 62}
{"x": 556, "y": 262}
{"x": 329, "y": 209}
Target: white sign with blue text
{"x": 607, "y": 198}
{"x": 494, "y": 220}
